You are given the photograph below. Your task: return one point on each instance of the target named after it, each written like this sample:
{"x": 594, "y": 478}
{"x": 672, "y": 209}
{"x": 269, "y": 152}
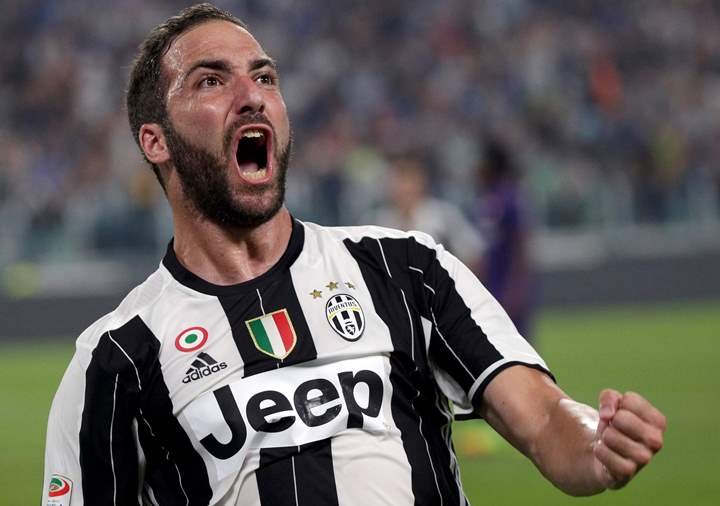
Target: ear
{"x": 153, "y": 143}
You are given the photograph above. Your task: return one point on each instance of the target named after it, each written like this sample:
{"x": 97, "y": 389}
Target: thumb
{"x": 609, "y": 403}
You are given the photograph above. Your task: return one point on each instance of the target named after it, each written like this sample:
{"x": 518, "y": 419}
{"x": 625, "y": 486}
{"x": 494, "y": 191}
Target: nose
{"x": 248, "y": 97}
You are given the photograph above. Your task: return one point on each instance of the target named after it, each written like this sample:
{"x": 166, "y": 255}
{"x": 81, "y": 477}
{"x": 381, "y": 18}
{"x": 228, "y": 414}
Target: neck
{"x": 225, "y": 256}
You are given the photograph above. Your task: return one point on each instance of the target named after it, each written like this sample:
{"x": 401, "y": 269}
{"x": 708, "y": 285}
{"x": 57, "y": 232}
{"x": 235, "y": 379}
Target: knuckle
{"x": 609, "y": 393}
{"x": 643, "y": 458}
{"x": 655, "y": 442}
{"x": 632, "y": 400}
{"x": 602, "y": 452}
{"x": 600, "y": 447}
{"x": 623, "y": 417}
{"x": 628, "y": 469}
{"x": 610, "y": 435}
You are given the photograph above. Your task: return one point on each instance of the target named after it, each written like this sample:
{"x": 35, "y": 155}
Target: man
{"x": 501, "y": 216}
{"x": 269, "y": 361}
{"x": 409, "y": 206}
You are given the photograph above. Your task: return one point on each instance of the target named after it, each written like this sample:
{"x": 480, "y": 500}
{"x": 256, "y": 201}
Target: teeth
{"x": 253, "y": 134}
{"x": 255, "y": 174}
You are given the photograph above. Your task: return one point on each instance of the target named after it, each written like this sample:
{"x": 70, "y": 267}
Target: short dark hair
{"x": 498, "y": 162}
{"x": 145, "y": 97}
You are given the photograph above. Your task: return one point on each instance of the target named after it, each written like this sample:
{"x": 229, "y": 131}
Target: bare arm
{"x": 573, "y": 446}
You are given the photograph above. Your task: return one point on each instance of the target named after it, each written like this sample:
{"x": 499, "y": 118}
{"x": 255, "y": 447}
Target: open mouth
{"x": 253, "y": 153}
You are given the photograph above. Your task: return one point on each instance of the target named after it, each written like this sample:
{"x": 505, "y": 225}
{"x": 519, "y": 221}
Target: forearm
{"x": 555, "y": 432}
{"x": 581, "y": 451}
{"x": 563, "y": 449}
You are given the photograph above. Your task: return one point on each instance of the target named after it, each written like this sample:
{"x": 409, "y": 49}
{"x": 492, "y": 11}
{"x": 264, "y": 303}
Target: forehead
{"x": 216, "y": 39}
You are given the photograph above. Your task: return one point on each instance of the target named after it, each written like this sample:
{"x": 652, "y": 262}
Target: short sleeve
{"x": 471, "y": 338}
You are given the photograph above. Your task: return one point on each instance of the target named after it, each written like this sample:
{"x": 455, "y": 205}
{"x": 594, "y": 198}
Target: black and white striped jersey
{"x": 329, "y": 380}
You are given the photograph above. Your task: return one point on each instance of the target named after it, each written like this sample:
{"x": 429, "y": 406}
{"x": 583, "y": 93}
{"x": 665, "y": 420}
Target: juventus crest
{"x": 345, "y": 316}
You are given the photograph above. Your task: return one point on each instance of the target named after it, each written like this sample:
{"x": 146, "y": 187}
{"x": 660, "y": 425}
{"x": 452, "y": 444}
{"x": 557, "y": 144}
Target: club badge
{"x": 345, "y": 316}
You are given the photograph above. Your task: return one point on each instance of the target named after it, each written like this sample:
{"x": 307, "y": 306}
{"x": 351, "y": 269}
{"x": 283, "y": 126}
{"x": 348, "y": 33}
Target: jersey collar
{"x": 191, "y": 280}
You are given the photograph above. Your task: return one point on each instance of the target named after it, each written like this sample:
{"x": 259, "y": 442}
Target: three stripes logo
{"x": 204, "y": 365}
{"x": 345, "y": 316}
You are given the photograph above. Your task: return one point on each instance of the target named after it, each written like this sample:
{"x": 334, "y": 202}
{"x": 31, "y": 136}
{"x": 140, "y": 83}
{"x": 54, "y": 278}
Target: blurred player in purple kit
{"x": 502, "y": 219}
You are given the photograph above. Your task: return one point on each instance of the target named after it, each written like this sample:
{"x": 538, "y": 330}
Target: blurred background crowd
{"x": 609, "y": 109}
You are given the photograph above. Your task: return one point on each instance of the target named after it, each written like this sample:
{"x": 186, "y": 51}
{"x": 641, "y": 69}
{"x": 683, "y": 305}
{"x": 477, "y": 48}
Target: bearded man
{"x": 274, "y": 362}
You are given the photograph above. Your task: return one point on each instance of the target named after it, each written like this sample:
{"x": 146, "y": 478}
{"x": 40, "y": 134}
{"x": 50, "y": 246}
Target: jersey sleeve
{"x": 62, "y": 477}
{"x": 91, "y": 453}
{"x": 470, "y": 337}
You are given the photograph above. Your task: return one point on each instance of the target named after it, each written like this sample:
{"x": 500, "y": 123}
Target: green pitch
{"x": 669, "y": 353}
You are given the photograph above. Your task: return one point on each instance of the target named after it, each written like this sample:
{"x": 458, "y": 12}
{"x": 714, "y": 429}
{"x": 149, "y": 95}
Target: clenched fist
{"x": 629, "y": 434}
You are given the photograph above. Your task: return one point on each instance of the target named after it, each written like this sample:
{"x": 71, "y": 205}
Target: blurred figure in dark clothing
{"x": 501, "y": 217}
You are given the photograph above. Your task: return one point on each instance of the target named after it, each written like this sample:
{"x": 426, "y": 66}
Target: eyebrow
{"x": 262, "y": 62}
{"x": 219, "y": 65}
{"x": 224, "y": 66}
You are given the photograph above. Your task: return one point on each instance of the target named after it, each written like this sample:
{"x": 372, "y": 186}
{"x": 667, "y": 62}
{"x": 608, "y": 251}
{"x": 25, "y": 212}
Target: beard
{"x": 206, "y": 183}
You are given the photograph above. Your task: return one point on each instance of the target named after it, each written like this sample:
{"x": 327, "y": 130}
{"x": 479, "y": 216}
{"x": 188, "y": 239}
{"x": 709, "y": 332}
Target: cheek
{"x": 281, "y": 121}
{"x": 209, "y": 116}
{"x": 193, "y": 117}
{"x": 285, "y": 133}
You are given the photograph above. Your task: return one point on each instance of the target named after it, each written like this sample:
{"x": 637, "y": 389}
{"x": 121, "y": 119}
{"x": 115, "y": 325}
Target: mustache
{"x": 246, "y": 119}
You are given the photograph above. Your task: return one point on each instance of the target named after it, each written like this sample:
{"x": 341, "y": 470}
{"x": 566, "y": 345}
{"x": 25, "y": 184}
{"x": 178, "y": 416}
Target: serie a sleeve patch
{"x": 59, "y": 491}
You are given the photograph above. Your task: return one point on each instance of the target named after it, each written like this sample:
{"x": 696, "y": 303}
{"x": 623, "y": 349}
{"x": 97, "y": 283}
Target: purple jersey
{"x": 502, "y": 219}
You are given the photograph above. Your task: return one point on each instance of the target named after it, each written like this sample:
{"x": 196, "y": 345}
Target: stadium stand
{"x": 611, "y": 107}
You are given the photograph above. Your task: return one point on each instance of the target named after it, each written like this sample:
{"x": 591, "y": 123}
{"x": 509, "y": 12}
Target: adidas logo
{"x": 203, "y": 365}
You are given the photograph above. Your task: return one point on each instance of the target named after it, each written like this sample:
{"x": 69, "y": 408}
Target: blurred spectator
{"x": 501, "y": 215}
{"x": 409, "y": 206}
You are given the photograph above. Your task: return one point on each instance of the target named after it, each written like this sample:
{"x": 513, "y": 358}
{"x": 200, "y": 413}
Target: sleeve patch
{"x": 59, "y": 491}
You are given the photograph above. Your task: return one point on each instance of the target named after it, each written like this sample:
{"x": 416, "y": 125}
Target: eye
{"x": 267, "y": 79}
{"x": 210, "y": 81}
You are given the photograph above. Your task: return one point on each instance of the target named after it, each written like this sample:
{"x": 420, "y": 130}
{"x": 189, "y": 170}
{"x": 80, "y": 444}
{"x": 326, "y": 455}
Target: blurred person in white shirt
{"x": 410, "y": 206}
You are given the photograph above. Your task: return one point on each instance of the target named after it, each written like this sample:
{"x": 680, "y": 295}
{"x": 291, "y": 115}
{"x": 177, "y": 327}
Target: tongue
{"x": 248, "y": 166}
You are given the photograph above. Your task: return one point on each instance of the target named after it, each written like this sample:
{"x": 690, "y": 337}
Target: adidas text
{"x": 197, "y": 374}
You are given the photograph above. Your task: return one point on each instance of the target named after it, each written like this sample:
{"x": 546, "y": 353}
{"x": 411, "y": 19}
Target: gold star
{"x": 332, "y": 285}
{"x": 350, "y": 285}
{"x": 316, "y": 294}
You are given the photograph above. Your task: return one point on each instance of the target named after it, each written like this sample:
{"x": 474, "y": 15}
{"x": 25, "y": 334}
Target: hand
{"x": 629, "y": 434}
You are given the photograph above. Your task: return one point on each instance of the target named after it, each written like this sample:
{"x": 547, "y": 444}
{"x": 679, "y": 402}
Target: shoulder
{"x": 137, "y": 303}
{"x": 387, "y": 249}
{"x": 367, "y": 232}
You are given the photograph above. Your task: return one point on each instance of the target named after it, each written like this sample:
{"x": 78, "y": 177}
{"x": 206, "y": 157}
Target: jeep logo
{"x": 314, "y": 402}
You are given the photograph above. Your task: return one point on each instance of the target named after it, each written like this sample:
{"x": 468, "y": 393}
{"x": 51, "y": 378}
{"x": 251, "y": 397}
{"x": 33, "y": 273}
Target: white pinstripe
{"x": 427, "y": 450}
{"x": 167, "y": 453}
{"x": 449, "y": 348}
{"x": 412, "y": 332}
{"x": 292, "y": 459}
{"x": 137, "y": 374}
{"x": 438, "y": 329}
{"x": 382, "y": 252}
{"x": 412, "y": 327}
{"x": 454, "y": 466}
{"x": 167, "y": 457}
{"x": 423, "y": 273}
{"x": 112, "y": 457}
{"x": 262, "y": 308}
